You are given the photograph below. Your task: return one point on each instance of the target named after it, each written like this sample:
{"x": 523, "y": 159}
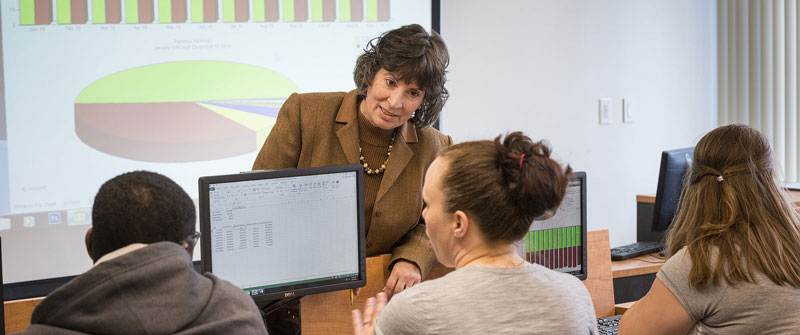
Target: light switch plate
{"x": 605, "y": 111}
{"x": 627, "y": 112}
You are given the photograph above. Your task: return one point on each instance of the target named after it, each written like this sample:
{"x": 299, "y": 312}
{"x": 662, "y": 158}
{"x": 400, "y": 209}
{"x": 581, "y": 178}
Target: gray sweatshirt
{"x": 152, "y": 290}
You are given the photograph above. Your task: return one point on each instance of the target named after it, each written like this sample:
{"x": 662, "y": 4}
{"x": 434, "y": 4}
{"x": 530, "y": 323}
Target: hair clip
{"x": 546, "y": 215}
{"x": 720, "y": 179}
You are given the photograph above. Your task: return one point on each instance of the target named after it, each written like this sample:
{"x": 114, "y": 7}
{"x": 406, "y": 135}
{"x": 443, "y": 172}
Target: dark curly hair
{"x": 139, "y": 207}
{"x": 502, "y": 188}
{"x": 412, "y": 54}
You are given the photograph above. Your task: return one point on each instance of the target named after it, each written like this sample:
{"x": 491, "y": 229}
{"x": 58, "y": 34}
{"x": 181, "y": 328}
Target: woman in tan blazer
{"x": 384, "y": 125}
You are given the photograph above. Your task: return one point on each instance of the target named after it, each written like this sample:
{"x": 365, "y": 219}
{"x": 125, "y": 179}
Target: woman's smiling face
{"x": 390, "y": 102}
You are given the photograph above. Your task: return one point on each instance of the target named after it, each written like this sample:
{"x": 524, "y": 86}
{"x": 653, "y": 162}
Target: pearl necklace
{"x": 382, "y": 168}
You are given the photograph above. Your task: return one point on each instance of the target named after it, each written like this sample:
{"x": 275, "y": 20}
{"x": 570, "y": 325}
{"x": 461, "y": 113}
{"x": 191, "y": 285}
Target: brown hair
{"x": 410, "y": 53}
{"x": 500, "y": 187}
{"x": 731, "y": 203}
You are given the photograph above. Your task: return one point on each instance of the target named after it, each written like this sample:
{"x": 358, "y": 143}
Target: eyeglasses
{"x": 191, "y": 239}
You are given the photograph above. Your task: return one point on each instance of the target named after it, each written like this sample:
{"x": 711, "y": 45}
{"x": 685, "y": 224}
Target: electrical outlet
{"x": 627, "y": 112}
{"x": 605, "y": 111}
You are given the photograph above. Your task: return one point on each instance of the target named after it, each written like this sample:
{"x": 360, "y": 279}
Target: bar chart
{"x": 323, "y": 10}
{"x": 204, "y": 11}
{"x": 106, "y": 11}
{"x": 72, "y": 11}
{"x": 235, "y": 11}
{"x": 555, "y": 248}
{"x": 139, "y": 11}
{"x": 352, "y": 11}
{"x": 47, "y": 12}
{"x": 172, "y": 11}
{"x": 38, "y": 12}
{"x": 265, "y": 10}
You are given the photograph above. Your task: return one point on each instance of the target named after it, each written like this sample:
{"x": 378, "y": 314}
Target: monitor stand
{"x": 282, "y": 316}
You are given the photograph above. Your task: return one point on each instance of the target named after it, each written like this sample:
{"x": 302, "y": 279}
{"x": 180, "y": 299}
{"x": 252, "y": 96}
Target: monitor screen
{"x": 674, "y": 165}
{"x": 559, "y": 242}
{"x": 90, "y": 89}
{"x": 285, "y": 233}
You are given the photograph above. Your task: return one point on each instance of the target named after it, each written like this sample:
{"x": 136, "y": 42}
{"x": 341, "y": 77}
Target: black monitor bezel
{"x": 666, "y": 156}
{"x": 581, "y": 175}
{"x": 289, "y": 291}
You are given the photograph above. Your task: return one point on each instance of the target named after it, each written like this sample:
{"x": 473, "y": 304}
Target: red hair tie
{"x": 520, "y": 160}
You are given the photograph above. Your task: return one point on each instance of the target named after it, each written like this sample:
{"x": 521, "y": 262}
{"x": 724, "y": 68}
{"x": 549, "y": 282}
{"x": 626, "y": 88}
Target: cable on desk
{"x": 661, "y": 260}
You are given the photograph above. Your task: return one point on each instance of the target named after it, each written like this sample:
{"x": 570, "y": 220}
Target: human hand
{"x": 372, "y": 309}
{"x": 353, "y": 293}
{"x": 404, "y": 275}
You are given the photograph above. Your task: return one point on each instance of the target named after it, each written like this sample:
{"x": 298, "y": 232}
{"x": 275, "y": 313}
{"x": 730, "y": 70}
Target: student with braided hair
{"x": 734, "y": 247}
{"x": 481, "y": 198}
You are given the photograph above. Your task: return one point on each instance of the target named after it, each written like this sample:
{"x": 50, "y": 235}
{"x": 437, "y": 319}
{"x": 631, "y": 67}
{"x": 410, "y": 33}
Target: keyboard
{"x": 608, "y": 325}
{"x": 635, "y": 249}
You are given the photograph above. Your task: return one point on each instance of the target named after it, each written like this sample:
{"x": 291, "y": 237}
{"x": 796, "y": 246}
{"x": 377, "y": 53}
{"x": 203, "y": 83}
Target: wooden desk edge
{"x": 646, "y": 198}
{"x": 641, "y": 265}
{"x": 17, "y": 314}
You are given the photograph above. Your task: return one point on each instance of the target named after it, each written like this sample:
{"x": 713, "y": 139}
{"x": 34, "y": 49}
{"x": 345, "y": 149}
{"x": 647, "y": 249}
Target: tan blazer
{"x": 321, "y": 129}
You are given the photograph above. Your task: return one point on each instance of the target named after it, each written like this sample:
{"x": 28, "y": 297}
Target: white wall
{"x": 541, "y": 66}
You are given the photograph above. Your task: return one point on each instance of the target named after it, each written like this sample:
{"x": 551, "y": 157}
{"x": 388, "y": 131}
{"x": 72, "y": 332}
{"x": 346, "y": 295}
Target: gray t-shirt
{"x": 745, "y": 308}
{"x": 487, "y": 300}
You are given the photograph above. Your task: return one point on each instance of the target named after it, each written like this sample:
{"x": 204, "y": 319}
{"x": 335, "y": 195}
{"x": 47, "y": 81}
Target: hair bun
{"x": 504, "y": 183}
{"x": 535, "y": 181}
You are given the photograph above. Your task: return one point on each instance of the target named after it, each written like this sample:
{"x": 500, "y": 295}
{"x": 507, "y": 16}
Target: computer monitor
{"x": 674, "y": 166}
{"x": 559, "y": 242}
{"x": 285, "y": 233}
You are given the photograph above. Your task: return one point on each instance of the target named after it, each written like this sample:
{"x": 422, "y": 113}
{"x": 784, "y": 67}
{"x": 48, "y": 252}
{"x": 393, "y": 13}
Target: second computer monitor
{"x": 674, "y": 166}
{"x": 285, "y": 233}
{"x": 559, "y": 242}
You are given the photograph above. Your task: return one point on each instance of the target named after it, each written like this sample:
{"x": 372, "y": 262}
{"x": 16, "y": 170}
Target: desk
{"x": 647, "y": 264}
{"x": 18, "y": 314}
{"x": 329, "y": 313}
{"x": 633, "y": 277}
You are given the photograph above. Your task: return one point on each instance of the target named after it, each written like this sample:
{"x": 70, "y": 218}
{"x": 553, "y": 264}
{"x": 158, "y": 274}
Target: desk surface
{"x": 641, "y": 265}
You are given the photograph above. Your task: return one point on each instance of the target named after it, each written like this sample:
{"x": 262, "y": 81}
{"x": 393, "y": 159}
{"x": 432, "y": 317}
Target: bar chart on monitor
{"x": 71, "y": 12}
{"x": 555, "y": 242}
{"x": 556, "y": 248}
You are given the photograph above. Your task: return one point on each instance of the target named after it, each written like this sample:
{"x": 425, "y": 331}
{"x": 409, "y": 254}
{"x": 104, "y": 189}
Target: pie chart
{"x": 181, "y": 111}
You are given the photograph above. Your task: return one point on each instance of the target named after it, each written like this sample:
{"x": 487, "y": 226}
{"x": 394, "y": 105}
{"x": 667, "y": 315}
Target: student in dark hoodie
{"x": 142, "y": 281}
